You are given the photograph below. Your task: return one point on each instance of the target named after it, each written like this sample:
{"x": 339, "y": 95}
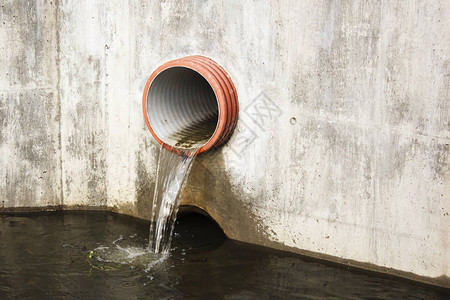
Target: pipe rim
{"x": 227, "y": 84}
{"x": 224, "y": 91}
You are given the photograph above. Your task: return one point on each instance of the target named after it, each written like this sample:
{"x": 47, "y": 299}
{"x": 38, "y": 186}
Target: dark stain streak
{"x": 209, "y": 189}
{"x": 145, "y": 184}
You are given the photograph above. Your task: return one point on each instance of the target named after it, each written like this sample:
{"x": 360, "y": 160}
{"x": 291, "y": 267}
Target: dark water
{"x": 46, "y": 256}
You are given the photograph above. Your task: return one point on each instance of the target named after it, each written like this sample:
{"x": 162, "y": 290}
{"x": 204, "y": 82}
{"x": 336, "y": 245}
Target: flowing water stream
{"x": 173, "y": 172}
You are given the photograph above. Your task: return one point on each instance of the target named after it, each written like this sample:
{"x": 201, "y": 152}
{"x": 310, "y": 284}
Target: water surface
{"x": 102, "y": 255}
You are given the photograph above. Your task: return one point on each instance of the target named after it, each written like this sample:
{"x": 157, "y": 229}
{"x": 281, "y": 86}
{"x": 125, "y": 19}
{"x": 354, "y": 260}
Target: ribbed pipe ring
{"x": 190, "y": 103}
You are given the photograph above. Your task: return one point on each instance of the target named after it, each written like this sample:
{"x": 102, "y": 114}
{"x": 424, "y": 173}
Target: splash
{"x": 125, "y": 251}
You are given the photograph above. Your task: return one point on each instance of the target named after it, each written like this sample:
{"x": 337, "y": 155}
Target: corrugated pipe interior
{"x": 190, "y": 103}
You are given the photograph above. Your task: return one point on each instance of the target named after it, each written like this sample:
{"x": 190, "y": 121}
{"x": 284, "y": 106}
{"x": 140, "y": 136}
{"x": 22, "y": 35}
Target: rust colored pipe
{"x": 190, "y": 103}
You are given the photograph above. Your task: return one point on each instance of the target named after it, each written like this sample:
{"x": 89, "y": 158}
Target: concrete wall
{"x": 342, "y": 147}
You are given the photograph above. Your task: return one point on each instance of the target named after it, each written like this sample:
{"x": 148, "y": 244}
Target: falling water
{"x": 172, "y": 174}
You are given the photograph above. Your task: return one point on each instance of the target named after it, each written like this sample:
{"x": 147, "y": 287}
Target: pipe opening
{"x": 190, "y": 103}
{"x": 182, "y": 108}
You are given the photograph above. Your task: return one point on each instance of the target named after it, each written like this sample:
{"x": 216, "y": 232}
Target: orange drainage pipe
{"x": 190, "y": 103}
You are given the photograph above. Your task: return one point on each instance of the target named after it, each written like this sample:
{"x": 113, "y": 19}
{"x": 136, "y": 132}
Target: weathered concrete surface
{"x": 30, "y": 168}
{"x": 342, "y": 145}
